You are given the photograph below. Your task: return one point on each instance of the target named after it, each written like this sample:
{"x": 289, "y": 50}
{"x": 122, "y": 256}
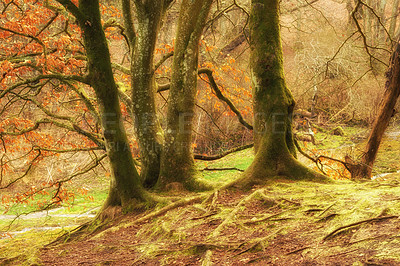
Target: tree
{"x": 150, "y": 136}
{"x": 177, "y": 151}
{"x": 125, "y": 186}
{"x": 363, "y": 168}
{"x": 96, "y": 76}
{"x": 273, "y": 102}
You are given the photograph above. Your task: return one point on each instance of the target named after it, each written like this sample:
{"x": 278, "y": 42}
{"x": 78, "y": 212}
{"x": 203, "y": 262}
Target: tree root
{"x": 206, "y": 261}
{"x": 230, "y": 217}
{"x": 254, "y": 221}
{"x": 334, "y": 232}
{"x": 157, "y": 213}
{"x": 256, "y": 242}
{"x": 212, "y": 199}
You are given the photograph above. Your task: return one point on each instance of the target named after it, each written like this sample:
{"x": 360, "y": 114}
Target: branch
{"x": 73, "y": 127}
{"x": 212, "y": 119}
{"x": 163, "y": 59}
{"x": 121, "y": 68}
{"x": 302, "y": 6}
{"x": 379, "y": 21}
{"x": 219, "y": 156}
{"x": 27, "y": 36}
{"x": 49, "y": 76}
{"x": 364, "y": 38}
{"x": 220, "y": 96}
{"x": 74, "y": 10}
{"x": 69, "y": 150}
{"x": 81, "y": 93}
{"x": 41, "y": 107}
{"x": 128, "y": 23}
{"x": 25, "y": 173}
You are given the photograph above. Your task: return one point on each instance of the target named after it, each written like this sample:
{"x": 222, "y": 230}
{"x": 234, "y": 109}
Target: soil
{"x": 282, "y": 224}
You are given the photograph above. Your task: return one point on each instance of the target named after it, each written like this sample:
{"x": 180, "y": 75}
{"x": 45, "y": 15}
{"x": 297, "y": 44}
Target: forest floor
{"x": 283, "y": 223}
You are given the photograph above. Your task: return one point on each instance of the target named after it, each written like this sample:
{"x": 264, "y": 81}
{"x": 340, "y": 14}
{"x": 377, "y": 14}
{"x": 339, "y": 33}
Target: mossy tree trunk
{"x": 177, "y": 163}
{"x": 273, "y": 102}
{"x": 125, "y": 186}
{"x": 148, "y": 130}
{"x": 363, "y": 169}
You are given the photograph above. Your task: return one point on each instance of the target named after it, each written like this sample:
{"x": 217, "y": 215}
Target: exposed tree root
{"x": 327, "y": 209}
{"x": 211, "y": 201}
{"x": 230, "y": 217}
{"x": 157, "y": 213}
{"x": 257, "y": 242}
{"x": 334, "y": 232}
{"x": 254, "y": 221}
{"x": 297, "y": 250}
{"x": 206, "y": 261}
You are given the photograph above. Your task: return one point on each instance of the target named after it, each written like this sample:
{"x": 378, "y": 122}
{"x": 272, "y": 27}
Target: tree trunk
{"x": 125, "y": 186}
{"x": 386, "y": 111}
{"x": 148, "y": 129}
{"x": 272, "y": 101}
{"x": 177, "y": 163}
{"x": 393, "y": 19}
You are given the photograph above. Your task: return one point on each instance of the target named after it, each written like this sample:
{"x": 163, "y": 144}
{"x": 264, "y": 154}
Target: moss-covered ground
{"x": 283, "y": 223}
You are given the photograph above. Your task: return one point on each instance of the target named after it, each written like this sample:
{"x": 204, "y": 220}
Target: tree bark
{"x": 147, "y": 127}
{"x": 125, "y": 186}
{"x": 272, "y": 101}
{"x": 393, "y": 19}
{"x": 363, "y": 169}
{"x": 177, "y": 163}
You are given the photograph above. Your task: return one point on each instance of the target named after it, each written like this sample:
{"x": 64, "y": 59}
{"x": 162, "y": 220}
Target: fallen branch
{"x": 334, "y": 232}
{"x": 222, "y": 169}
{"x": 223, "y": 154}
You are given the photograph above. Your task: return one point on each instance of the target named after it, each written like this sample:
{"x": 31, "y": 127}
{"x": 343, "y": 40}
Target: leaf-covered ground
{"x": 283, "y": 223}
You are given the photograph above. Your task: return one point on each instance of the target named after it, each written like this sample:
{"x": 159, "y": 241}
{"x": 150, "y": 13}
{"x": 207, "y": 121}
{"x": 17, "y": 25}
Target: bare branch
{"x": 220, "y": 96}
{"x": 25, "y": 173}
{"x": 163, "y": 59}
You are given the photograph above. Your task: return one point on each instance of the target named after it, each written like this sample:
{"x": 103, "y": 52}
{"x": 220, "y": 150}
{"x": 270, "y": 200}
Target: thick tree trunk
{"x": 177, "y": 163}
{"x": 273, "y": 102}
{"x": 125, "y": 185}
{"x": 386, "y": 111}
{"x": 148, "y": 129}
